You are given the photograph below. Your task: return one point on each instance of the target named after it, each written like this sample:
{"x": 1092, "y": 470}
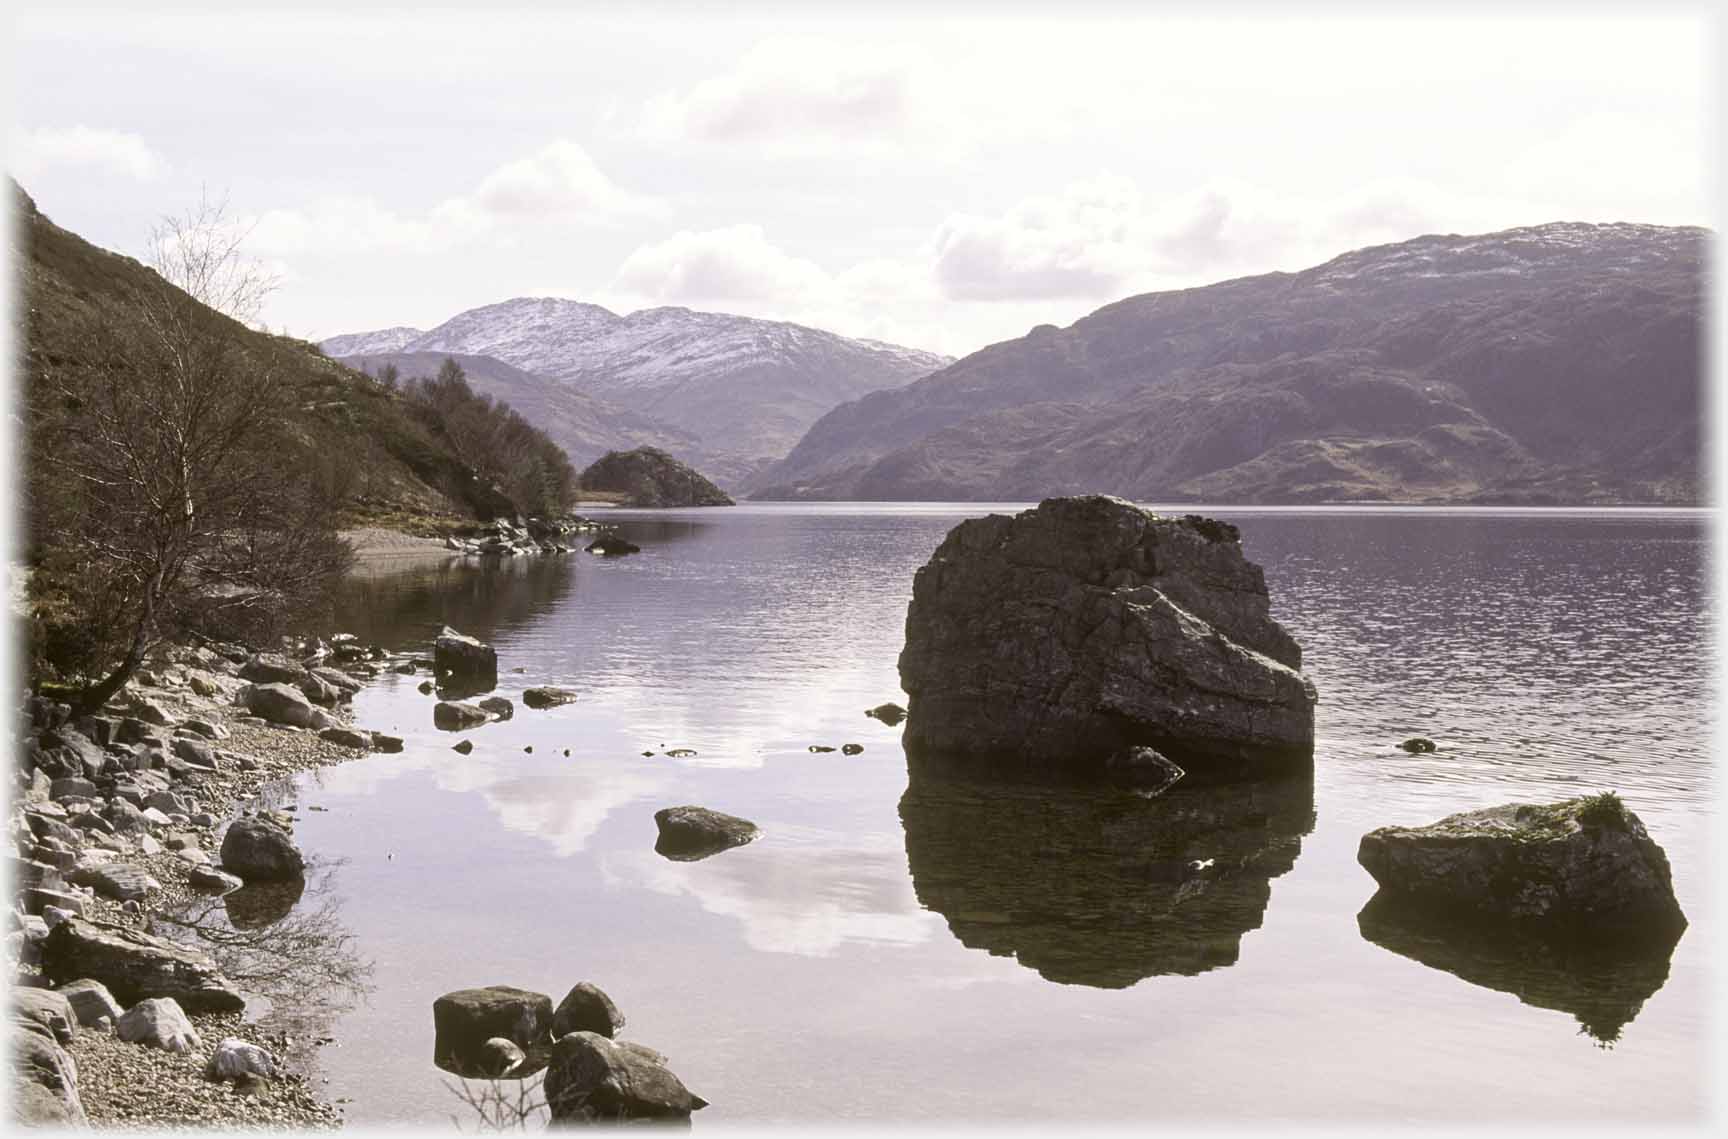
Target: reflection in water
{"x": 1100, "y": 886}
{"x": 480, "y": 597}
{"x": 1603, "y": 985}
{"x": 261, "y": 904}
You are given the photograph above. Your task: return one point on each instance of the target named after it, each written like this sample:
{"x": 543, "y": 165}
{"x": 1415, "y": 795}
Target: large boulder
{"x": 592, "y": 1079}
{"x": 121, "y": 881}
{"x": 586, "y": 1008}
{"x": 464, "y": 1020}
{"x": 688, "y": 833}
{"x": 464, "y": 663}
{"x": 1058, "y": 637}
{"x": 160, "y": 1023}
{"x": 1580, "y": 867}
{"x": 281, "y": 704}
{"x": 45, "y": 1078}
{"x": 90, "y": 1001}
{"x": 272, "y": 668}
{"x": 257, "y": 849}
{"x": 135, "y": 966}
{"x": 47, "y": 1008}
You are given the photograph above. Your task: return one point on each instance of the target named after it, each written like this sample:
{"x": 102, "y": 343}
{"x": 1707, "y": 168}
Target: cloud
{"x": 559, "y": 183}
{"x": 559, "y": 179}
{"x": 733, "y": 263}
{"x": 121, "y": 153}
{"x": 793, "y": 94}
{"x": 1078, "y": 242}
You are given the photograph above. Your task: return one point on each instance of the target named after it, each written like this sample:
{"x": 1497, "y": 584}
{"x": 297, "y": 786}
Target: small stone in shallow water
{"x": 817, "y": 749}
{"x": 682, "y": 752}
{"x": 889, "y": 713}
{"x": 851, "y": 749}
{"x": 464, "y": 747}
{"x": 689, "y": 833}
{"x": 1417, "y": 745}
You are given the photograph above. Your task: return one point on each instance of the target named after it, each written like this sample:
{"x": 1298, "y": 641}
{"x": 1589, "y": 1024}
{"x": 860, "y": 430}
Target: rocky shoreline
{"x": 120, "y": 1084}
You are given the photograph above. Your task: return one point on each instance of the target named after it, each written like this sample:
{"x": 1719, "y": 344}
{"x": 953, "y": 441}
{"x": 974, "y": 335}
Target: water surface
{"x": 936, "y": 950}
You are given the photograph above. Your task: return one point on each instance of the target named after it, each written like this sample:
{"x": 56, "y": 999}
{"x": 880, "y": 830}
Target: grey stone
{"x": 455, "y": 717}
{"x": 585, "y": 1008}
{"x": 387, "y": 744}
{"x": 547, "y": 697}
{"x": 259, "y": 850}
{"x": 209, "y": 878}
{"x": 118, "y": 880}
{"x": 272, "y": 668}
{"x": 38, "y": 900}
{"x": 498, "y": 706}
{"x": 688, "y": 833}
{"x": 235, "y": 1058}
{"x": 205, "y": 728}
{"x": 90, "y": 1001}
{"x": 500, "y": 1056}
{"x": 48, "y": 1008}
{"x": 464, "y": 1020}
{"x": 464, "y": 660}
{"x": 280, "y": 704}
{"x": 339, "y": 680}
{"x": 1057, "y": 637}
{"x": 593, "y": 1079}
{"x": 45, "y": 1092}
{"x": 158, "y": 1022}
{"x": 347, "y": 737}
{"x": 1581, "y": 866}
{"x": 889, "y": 713}
{"x": 196, "y": 752}
{"x": 72, "y": 785}
{"x": 135, "y": 965}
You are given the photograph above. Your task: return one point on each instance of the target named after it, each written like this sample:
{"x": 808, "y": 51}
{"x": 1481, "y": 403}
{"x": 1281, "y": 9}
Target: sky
{"x": 920, "y": 175}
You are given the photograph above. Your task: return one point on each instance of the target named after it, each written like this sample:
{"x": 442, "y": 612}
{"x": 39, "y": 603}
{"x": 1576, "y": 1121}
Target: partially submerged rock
{"x": 464, "y": 1020}
{"x": 611, "y": 546}
{"x": 595, "y": 1080}
{"x": 280, "y": 704}
{"x": 1582, "y": 866}
{"x": 1418, "y": 745}
{"x": 464, "y": 662}
{"x": 547, "y": 697}
{"x": 452, "y": 716}
{"x": 889, "y": 713}
{"x": 689, "y": 833}
{"x": 586, "y": 1008}
{"x": 258, "y": 849}
{"x": 1058, "y": 637}
{"x": 136, "y": 966}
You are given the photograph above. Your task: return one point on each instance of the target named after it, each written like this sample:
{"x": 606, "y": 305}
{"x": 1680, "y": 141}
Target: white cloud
{"x": 717, "y": 266}
{"x": 793, "y": 94}
{"x": 1079, "y": 242}
{"x": 559, "y": 179}
{"x": 113, "y": 152}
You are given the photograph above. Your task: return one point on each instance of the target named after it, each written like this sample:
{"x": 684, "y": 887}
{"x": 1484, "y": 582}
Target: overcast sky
{"x": 938, "y": 183}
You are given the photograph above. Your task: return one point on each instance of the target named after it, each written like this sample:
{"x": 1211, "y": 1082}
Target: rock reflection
{"x": 1101, "y": 886}
{"x": 261, "y": 904}
{"x": 483, "y": 597}
{"x": 1603, "y": 985}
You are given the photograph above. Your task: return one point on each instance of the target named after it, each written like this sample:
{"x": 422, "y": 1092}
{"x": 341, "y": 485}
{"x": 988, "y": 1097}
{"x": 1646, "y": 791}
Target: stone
{"x": 209, "y": 878}
{"x": 585, "y": 1008}
{"x": 455, "y": 717}
{"x": 280, "y": 704}
{"x": 1581, "y": 867}
{"x": 464, "y": 747}
{"x": 612, "y": 546}
{"x": 389, "y": 745}
{"x": 339, "y": 680}
{"x": 319, "y": 692}
{"x": 258, "y": 849}
{"x": 689, "y": 833}
{"x": 467, "y": 662}
{"x": 118, "y": 880}
{"x": 48, "y": 1008}
{"x": 498, "y": 706}
{"x": 72, "y": 785}
{"x": 593, "y": 1079}
{"x": 158, "y": 1022}
{"x": 125, "y": 817}
{"x": 272, "y": 668}
{"x": 194, "y": 751}
{"x": 39, "y": 900}
{"x": 1417, "y": 745}
{"x": 54, "y": 915}
{"x": 500, "y": 1057}
{"x": 464, "y": 1020}
{"x": 425, "y": 688}
{"x": 1056, "y": 638}
{"x": 235, "y": 1058}
{"x": 156, "y": 816}
{"x": 203, "y": 685}
{"x": 90, "y": 1001}
{"x": 45, "y": 1091}
{"x": 33, "y": 873}
{"x": 889, "y": 713}
{"x": 347, "y": 737}
{"x": 205, "y": 728}
{"x": 149, "y": 711}
{"x": 851, "y": 749}
{"x": 135, "y": 965}
{"x": 547, "y": 697}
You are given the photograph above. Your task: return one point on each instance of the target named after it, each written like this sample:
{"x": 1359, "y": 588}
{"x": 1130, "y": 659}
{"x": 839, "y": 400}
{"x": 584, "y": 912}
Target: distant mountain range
{"x": 729, "y": 394}
{"x": 1558, "y": 363}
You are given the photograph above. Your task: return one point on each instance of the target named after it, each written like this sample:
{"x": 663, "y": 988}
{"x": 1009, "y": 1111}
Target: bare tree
{"x": 180, "y": 495}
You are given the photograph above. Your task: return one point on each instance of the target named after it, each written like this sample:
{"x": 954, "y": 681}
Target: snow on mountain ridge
{"x": 377, "y": 342}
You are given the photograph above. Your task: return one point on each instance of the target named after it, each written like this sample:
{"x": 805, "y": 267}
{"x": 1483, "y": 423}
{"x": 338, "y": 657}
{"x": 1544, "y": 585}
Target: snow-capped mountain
{"x": 745, "y": 388}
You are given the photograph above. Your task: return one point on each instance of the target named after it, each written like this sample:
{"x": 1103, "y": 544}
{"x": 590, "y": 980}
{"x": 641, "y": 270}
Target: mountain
{"x": 78, "y": 301}
{"x": 650, "y": 477}
{"x": 746, "y": 389}
{"x": 585, "y": 427}
{"x": 371, "y": 343}
{"x": 1553, "y": 363}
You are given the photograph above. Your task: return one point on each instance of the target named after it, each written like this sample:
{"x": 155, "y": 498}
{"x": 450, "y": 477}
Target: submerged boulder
{"x": 1582, "y": 866}
{"x": 1060, "y": 636}
{"x": 592, "y": 1080}
{"x": 547, "y": 697}
{"x": 611, "y": 546}
{"x": 689, "y": 833}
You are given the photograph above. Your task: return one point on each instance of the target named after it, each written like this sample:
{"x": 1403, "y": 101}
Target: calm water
{"x": 950, "y": 953}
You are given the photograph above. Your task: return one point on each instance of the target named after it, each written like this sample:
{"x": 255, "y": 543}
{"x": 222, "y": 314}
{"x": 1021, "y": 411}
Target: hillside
{"x": 744, "y": 390}
{"x": 649, "y": 477}
{"x": 78, "y": 301}
{"x": 1556, "y": 363}
{"x": 584, "y": 426}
